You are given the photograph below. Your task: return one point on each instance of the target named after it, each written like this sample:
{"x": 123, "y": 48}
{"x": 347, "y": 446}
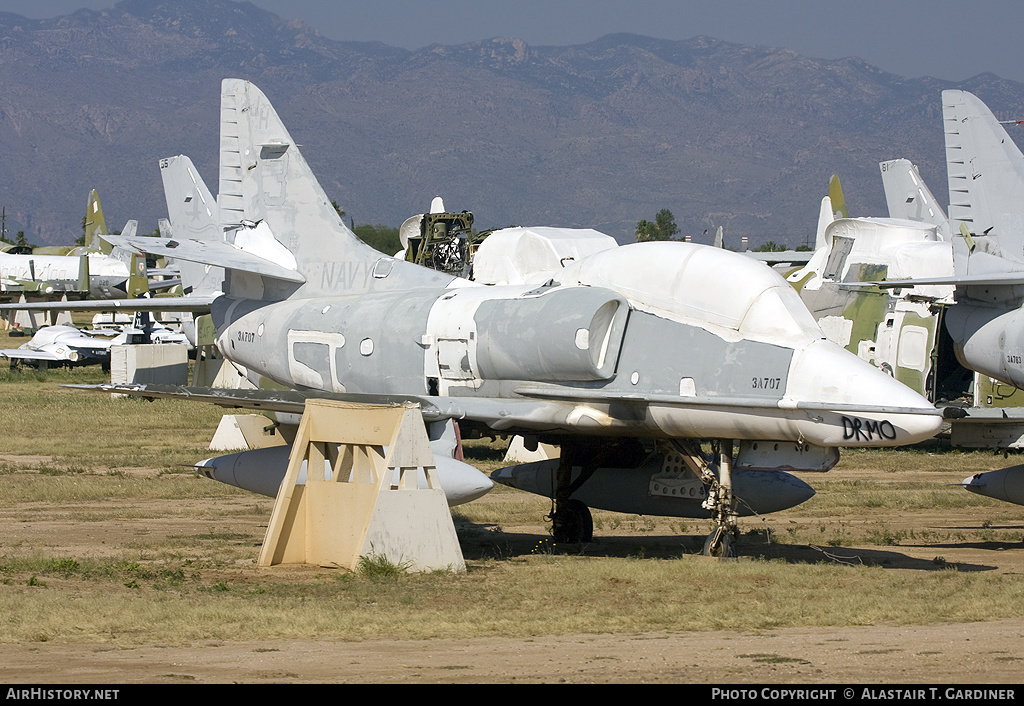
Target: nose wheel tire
{"x": 720, "y": 543}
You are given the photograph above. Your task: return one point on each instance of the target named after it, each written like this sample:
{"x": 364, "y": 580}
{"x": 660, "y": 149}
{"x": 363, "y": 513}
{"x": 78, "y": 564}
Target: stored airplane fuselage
{"x": 108, "y": 276}
{"x": 641, "y": 341}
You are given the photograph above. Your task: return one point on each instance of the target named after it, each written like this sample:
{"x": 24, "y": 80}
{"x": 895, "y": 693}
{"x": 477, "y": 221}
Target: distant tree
{"x": 666, "y": 224}
{"x": 663, "y": 228}
{"x": 80, "y": 240}
{"x": 803, "y": 248}
{"x": 341, "y": 212}
{"x": 383, "y": 238}
{"x": 20, "y": 239}
{"x": 770, "y": 246}
{"x": 645, "y": 231}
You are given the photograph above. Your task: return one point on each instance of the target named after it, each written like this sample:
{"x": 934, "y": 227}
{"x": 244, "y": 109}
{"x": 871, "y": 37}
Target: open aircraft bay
{"x": 118, "y": 564}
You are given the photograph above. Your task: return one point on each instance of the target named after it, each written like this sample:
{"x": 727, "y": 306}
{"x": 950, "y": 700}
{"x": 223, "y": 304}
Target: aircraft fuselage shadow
{"x": 482, "y": 541}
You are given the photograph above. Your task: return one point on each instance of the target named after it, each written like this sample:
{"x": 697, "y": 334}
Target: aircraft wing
{"x": 541, "y": 409}
{"x": 995, "y": 278}
{"x": 216, "y": 253}
{"x": 24, "y": 285}
{"x": 796, "y": 257}
{"x": 492, "y": 411}
{"x": 196, "y": 304}
{"x": 28, "y": 354}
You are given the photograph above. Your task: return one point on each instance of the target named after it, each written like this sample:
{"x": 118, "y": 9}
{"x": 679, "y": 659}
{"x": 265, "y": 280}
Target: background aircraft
{"x": 629, "y": 358}
{"x": 986, "y": 216}
{"x": 901, "y": 331}
{"x": 61, "y": 345}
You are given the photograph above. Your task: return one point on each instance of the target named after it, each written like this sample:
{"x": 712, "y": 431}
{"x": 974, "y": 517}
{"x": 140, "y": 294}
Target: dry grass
{"x": 177, "y": 601}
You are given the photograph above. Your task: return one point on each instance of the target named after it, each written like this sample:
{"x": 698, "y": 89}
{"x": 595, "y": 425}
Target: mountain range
{"x": 598, "y": 135}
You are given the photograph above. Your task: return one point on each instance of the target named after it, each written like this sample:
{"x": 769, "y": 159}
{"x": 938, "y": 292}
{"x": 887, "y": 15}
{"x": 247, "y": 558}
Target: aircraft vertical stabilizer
{"x": 908, "y": 197}
{"x": 825, "y": 216}
{"x": 986, "y": 176}
{"x": 835, "y": 193}
{"x": 271, "y": 204}
{"x": 94, "y": 222}
{"x": 193, "y": 213}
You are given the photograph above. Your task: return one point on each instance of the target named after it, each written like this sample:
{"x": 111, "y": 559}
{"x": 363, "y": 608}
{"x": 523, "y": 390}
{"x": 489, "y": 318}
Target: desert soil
{"x": 973, "y": 653}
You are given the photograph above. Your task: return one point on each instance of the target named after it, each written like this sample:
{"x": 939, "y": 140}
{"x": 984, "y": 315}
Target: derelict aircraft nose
{"x": 849, "y": 402}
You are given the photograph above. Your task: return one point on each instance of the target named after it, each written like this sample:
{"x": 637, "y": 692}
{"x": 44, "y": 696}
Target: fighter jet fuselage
{"x": 591, "y": 359}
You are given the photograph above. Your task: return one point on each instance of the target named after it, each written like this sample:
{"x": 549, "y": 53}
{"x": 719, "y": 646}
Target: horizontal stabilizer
{"x": 218, "y": 254}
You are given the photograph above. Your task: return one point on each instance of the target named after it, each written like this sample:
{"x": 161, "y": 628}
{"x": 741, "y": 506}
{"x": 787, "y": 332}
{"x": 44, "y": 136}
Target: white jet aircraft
{"x": 630, "y": 358}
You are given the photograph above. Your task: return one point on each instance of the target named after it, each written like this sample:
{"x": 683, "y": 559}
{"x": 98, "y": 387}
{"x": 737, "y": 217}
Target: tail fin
{"x": 825, "y": 216}
{"x": 192, "y": 213}
{"x": 908, "y": 197}
{"x": 269, "y": 197}
{"x": 191, "y": 208}
{"x": 138, "y": 275}
{"x": 835, "y": 194}
{"x": 94, "y": 223}
{"x": 986, "y": 177}
{"x": 278, "y": 236}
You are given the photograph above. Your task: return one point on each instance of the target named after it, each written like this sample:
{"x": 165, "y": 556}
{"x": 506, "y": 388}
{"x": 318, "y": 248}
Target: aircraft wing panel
{"x": 717, "y": 402}
{"x": 997, "y": 278}
{"x": 217, "y": 253}
{"x": 497, "y": 413}
{"x": 194, "y": 304}
{"x": 27, "y": 354}
{"x": 568, "y": 411}
{"x": 796, "y": 257}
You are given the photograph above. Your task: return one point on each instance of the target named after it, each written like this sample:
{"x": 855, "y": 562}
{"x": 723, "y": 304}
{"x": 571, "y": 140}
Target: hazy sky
{"x": 948, "y": 39}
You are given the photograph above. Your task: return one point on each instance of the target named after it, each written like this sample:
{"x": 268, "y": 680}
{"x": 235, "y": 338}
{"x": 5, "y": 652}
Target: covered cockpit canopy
{"x": 683, "y": 282}
{"x": 534, "y": 255}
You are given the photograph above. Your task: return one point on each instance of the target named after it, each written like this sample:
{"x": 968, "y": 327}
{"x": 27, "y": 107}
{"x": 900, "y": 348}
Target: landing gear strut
{"x": 571, "y": 522}
{"x": 720, "y": 501}
{"x": 722, "y": 504}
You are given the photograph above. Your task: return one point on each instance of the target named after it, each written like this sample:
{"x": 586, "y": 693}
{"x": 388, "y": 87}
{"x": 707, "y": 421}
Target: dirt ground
{"x": 973, "y": 653}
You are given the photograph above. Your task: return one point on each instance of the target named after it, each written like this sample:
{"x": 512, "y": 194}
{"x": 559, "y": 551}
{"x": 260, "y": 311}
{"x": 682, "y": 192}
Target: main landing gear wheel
{"x": 572, "y": 523}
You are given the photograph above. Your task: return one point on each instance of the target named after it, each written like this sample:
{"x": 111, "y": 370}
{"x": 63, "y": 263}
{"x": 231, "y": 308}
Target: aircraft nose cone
{"x": 858, "y": 404}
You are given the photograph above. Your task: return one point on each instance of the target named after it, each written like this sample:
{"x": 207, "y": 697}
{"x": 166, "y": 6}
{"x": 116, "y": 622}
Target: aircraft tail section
{"x": 271, "y": 201}
{"x": 138, "y": 274}
{"x": 94, "y": 223}
{"x": 191, "y": 208}
{"x": 909, "y": 198}
{"x": 836, "y": 198}
{"x": 986, "y": 179}
{"x": 825, "y": 217}
{"x": 192, "y": 213}
{"x": 275, "y": 233}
